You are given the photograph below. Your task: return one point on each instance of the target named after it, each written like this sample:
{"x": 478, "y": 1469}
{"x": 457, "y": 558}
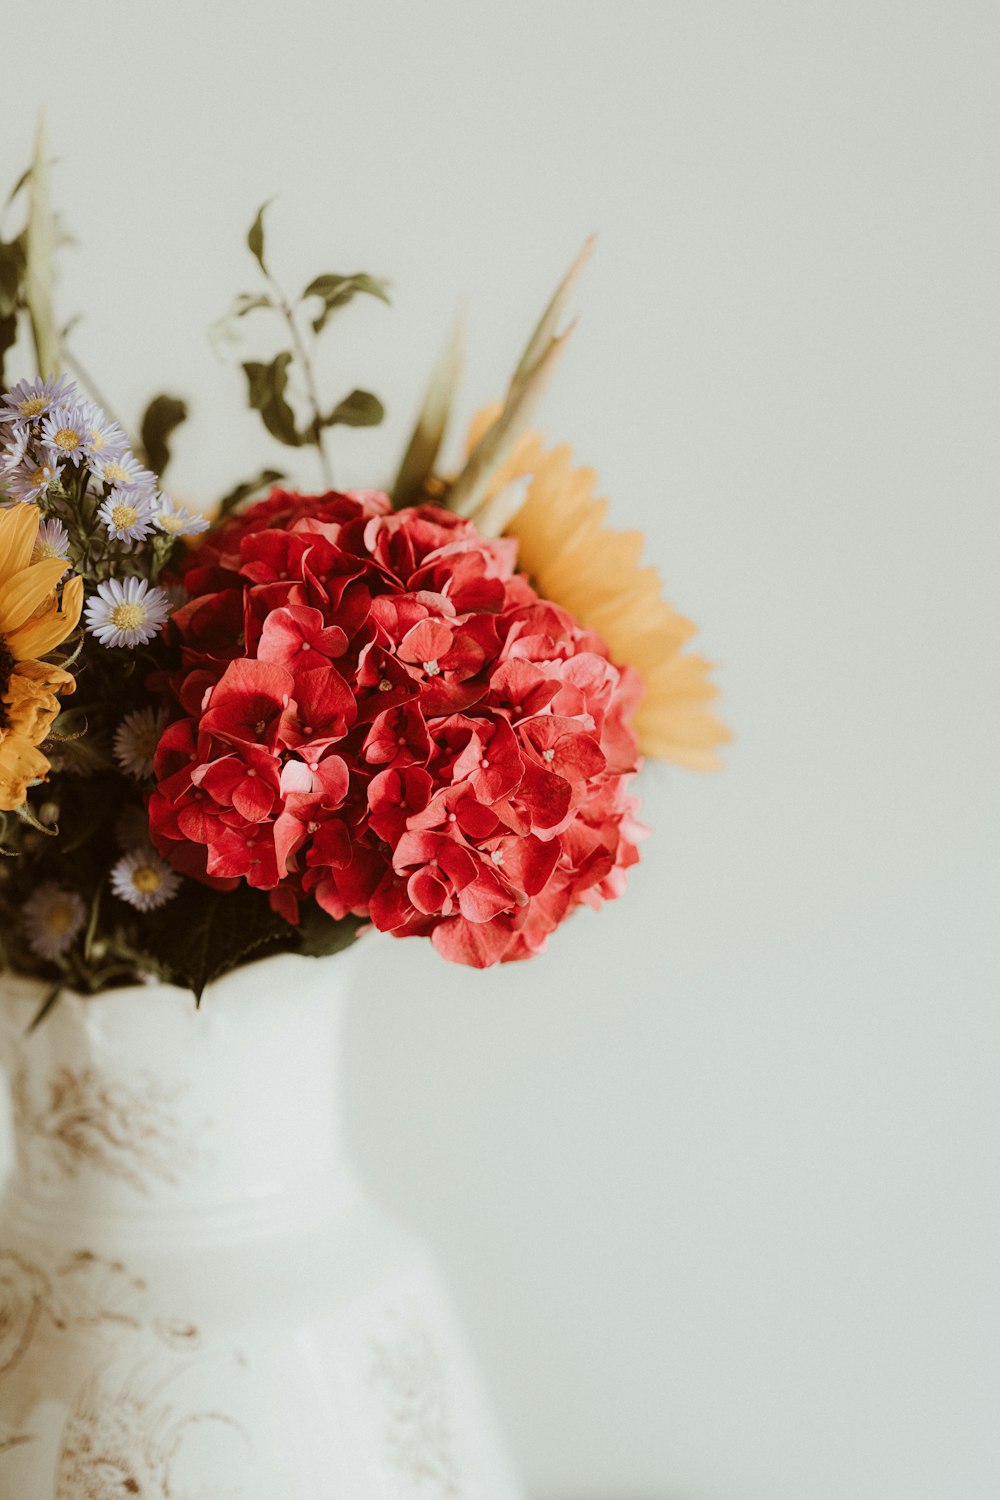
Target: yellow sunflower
{"x": 33, "y": 621}
{"x": 593, "y": 572}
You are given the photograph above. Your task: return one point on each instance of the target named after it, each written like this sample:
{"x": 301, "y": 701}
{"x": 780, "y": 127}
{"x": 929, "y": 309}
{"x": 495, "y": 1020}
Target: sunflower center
{"x": 127, "y": 616}
{"x": 67, "y": 439}
{"x": 146, "y": 880}
{"x": 124, "y": 516}
{"x": 33, "y": 407}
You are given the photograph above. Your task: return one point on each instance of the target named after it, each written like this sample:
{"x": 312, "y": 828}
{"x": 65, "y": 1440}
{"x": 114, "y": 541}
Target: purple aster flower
{"x": 65, "y": 433}
{"x": 52, "y": 918}
{"x": 105, "y": 439}
{"x": 30, "y": 480}
{"x": 126, "y": 612}
{"x": 128, "y": 515}
{"x": 51, "y": 542}
{"x": 123, "y": 472}
{"x": 31, "y": 399}
{"x": 177, "y": 519}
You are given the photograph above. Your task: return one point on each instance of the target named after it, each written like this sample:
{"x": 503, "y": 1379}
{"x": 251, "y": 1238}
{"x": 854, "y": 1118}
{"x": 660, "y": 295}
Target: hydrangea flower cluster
{"x": 376, "y": 711}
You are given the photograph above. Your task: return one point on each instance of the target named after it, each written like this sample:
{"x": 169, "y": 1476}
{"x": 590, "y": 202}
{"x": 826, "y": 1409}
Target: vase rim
{"x": 24, "y": 987}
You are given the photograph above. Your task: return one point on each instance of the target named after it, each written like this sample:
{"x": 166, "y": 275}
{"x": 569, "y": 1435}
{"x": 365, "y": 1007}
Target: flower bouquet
{"x": 229, "y": 744}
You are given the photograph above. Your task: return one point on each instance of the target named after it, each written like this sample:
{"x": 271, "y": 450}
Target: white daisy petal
{"x": 144, "y": 880}
{"x": 126, "y": 612}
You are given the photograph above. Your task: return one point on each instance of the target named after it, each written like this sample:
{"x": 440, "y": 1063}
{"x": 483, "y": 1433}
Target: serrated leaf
{"x": 255, "y": 236}
{"x": 220, "y": 930}
{"x": 320, "y": 934}
{"x": 246, "y": 489}
{"x": 337, "y": 291}
{"x": 429, "y": 430}
{"x": 266, "y": 385}
{"x": 359, "y": 409}
{"x": 162, "y": 416}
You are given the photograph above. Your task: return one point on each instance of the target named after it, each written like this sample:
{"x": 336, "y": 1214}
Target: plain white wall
{"x": 716, "y": 1181}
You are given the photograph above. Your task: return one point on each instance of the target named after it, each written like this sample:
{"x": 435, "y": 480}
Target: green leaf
{"x": 428, "y": 433}
{"x": 19, "y": 184}
{"x": 337, "y": 291}
{"x": 11, "y": 274}
{"x": 39, "y": 245}
{"x": 247, "y": 302}
{"x": 162, "y": 416}
{"x": 359, "y": 409}
{"x": 527, "y": 384}
{"x": 267, "y": 384}
{"x": 220, "y": 930}
{"x": 246, "y": 489}
{"x": 8, "y": 338}
{"x": 46, "y": 1006}
{"x": 320, "y": 934}
{"x": 255, "y": 236}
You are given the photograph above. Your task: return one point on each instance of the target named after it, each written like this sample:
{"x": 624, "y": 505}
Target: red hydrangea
{"x": 378, "y": 713}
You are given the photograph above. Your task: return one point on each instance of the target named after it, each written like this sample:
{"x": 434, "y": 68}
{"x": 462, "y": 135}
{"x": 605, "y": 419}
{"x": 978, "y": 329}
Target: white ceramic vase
{"x": 198, "y": 1301}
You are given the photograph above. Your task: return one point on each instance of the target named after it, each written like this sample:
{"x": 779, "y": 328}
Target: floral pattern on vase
{"x": 125, "y": 1131}
{"x": 128, "y": 1440}
{"x": 409, "y": 1374}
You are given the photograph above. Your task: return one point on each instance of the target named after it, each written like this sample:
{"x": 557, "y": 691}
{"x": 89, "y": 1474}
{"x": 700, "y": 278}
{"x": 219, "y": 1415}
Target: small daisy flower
{"x": 30, "y": 480}
{"x": 122, "y": 471}
{"x": 136, "y": 739}
{"x": 177, "y": 519}
{"x": 53, "y": 918}
{"x": 128, "y": 515}
{"x": 105, "y": 438}
{"x": 144, "y": 880}
{"x": 31, "y": 399}
{"x": 51, "y": 542}
{"x": 126, "y": 612}
{"x": 65, "y": 433}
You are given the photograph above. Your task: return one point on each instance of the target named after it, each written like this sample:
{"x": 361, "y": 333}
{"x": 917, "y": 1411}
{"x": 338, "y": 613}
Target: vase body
{"x": 198, "y": 1300}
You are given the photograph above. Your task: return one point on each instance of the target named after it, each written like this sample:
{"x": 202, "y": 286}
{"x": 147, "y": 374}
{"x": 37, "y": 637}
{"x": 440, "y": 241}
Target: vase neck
{"x": 136, "y": 1105}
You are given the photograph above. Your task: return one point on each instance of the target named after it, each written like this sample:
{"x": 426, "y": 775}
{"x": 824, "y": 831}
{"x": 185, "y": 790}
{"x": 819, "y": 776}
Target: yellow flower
{"x": 593, "y": 572}
{"x": 33, "y": 621}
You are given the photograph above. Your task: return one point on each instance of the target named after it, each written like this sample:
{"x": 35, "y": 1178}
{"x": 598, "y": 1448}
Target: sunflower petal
{"x": 18, "y": 530}
{"x": 27, "y": 591}
{"x": 595, "y": 574}
{"x": 39, "y": 636}
{"x": 20, "y": 764}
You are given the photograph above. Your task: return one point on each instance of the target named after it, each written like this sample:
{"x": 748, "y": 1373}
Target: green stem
{"x": 316, "y": 427}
